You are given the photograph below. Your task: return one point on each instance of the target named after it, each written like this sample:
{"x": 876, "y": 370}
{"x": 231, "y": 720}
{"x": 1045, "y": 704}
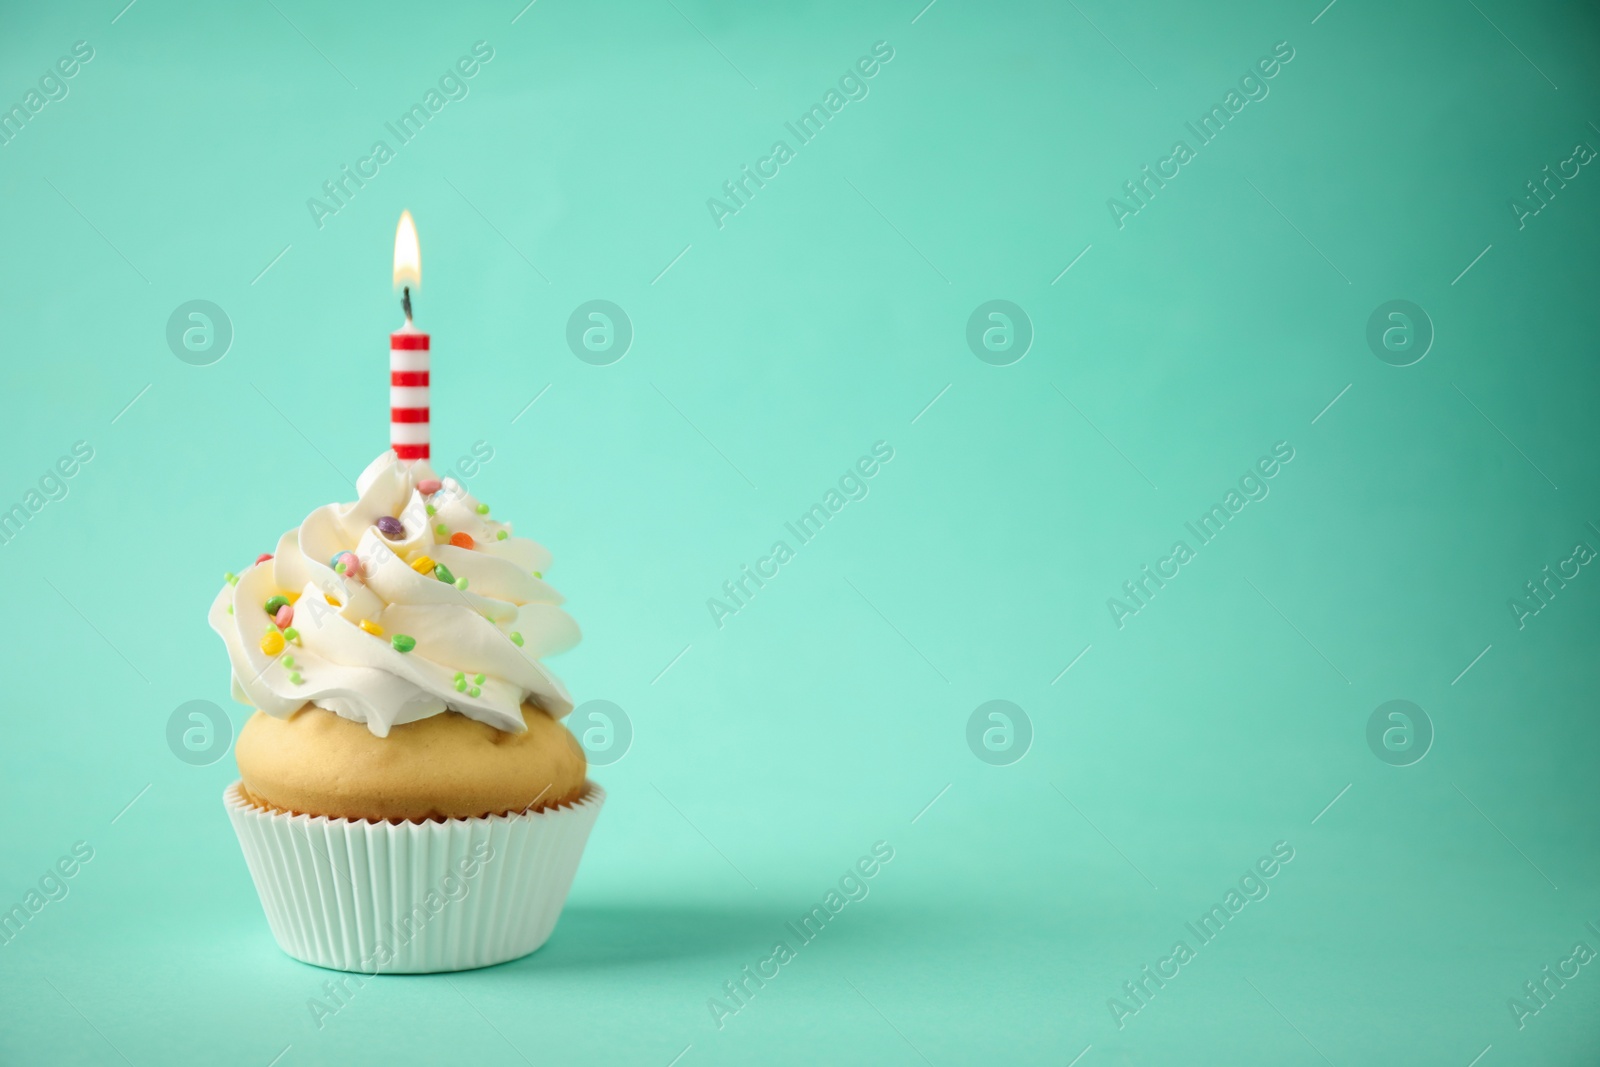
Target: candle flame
{"x": 407, "y": 255}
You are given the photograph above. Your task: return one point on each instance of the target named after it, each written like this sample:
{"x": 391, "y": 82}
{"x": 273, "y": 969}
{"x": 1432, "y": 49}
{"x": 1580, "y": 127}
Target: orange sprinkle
{"x": 462, "y": 540}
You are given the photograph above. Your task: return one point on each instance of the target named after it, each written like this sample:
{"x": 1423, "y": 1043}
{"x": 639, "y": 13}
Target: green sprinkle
{"x": 478, "y": 678}
{"x": 442, "y": 530}
{"x": 338, "y": 568}
{"x": 483, "y": 509}
{"x": 461, "y": 583}
{"x": 539, "y": 575}
{"x": 442, "y": 573}
{"x": 292, "y": 634}
{"x": 461, "y": 684}
{"x": 230, "y": 577}
{"x": 460, "y": 675}
{"x": 273, "y": 604}
{"x": 288, "y": 661}
{"x": 516, "y": 638}
{"x": 474, "y": 691}
{"x": 501, "y": 535}
{"x": 403, "y": 642}
{"x": 294, "y": 676}
{"x": 230, "y": 609}
{"x": 429, "y": 508}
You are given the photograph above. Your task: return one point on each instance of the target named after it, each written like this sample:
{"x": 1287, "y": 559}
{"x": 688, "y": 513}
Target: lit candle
{"x": 408, "y": 354}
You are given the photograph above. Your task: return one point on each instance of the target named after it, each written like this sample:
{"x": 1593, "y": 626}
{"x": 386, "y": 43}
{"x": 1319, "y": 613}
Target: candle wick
{"x": 405, "y": 300}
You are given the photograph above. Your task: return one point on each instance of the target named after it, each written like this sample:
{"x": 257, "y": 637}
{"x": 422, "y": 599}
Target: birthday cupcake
{"x": 408, "y": 799}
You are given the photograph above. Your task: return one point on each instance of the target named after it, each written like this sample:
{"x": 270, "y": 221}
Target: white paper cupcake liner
{"x": 410, "y": 898}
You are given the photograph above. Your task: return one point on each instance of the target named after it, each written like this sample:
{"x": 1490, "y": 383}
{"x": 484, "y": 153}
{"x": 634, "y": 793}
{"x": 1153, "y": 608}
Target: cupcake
{"x": 408, "y": 799}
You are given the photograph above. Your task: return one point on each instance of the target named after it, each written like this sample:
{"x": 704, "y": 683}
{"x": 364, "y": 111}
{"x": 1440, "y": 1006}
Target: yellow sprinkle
{"x": 291, "y": 597}
{"x": 423, "y": 565}
{"x": 272, "y": 642}
{"x": 371, "y": 627}
{"x": 334, "y": 602}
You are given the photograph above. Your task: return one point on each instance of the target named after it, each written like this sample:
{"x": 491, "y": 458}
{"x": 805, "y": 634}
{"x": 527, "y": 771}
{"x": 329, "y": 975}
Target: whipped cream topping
{"x": 415, "y": 627}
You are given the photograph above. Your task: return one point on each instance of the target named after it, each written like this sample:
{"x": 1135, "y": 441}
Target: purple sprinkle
{"x": 390, "y": 527}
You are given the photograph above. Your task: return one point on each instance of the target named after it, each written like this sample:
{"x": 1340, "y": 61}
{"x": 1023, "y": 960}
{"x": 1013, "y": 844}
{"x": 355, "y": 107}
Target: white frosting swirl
{"x": 476, "y": 651}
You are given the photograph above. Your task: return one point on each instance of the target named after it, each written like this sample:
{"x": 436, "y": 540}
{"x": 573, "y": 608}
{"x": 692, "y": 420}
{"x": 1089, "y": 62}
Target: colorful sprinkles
{"x": 280, "y": 608}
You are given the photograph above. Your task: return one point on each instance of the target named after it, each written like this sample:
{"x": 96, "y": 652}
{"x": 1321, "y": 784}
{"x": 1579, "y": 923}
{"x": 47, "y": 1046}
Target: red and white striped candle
{"x": 408, "y": 392}
{"x": 408, "y": 354}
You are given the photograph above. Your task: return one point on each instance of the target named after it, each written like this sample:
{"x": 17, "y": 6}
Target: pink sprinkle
{"x": 284, "y": 617}
{"x": 263, "y": 558}
{"x": 429, "y": 486}
{"x": 352, "y": 565}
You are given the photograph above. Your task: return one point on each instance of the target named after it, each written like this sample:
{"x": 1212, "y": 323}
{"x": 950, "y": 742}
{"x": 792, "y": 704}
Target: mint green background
{"x": 811, "y": 326}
